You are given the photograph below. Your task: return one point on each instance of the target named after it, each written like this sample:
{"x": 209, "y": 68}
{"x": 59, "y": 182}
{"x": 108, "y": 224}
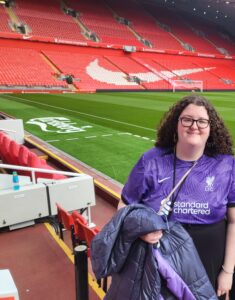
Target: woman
{"x": 192, "y": 137}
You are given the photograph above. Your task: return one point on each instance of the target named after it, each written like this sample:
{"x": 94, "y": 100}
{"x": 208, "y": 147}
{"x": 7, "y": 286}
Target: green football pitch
{"x": 108, "y": 131}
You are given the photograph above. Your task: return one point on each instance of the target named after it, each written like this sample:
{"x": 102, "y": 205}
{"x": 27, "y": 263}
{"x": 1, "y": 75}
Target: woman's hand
{"x": 152, "y": 237}
{"x": 225, "y": 281}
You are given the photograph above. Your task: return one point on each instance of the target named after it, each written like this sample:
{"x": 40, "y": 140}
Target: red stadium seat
{"x": 88, "y": 234}
{"x": 23, "y": 156}
{"x": 2, "y": 134}
{"x": 5, "y": 149}
{"x": 78, "y": 228}
{"x": 35, "y": 162}
{"x": 23, "y": 160}
{"x": 66, "y": 221}
{"x": 1, "y": 143}
{"x": 14, "y": 149}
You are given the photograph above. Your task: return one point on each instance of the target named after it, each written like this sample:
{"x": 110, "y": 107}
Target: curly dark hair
{"x": 219, "y": 140}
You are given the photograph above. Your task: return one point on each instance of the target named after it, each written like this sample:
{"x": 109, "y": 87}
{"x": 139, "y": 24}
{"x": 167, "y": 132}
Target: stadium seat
{"x": 66, "y": 221}
{"x": 2, "y": 134}
{"x": 84, "y": 232}
{"x": 14, "y": 149}
{"x": 90, "y": 234}
{"x": 1, "y": 143}
{"x": 23, "y": 156}
{"x": 5, "y": 149}
{"x": 35, "y": 162}
{"x": 23, "y": 160}
{"x": 79, "y": 222}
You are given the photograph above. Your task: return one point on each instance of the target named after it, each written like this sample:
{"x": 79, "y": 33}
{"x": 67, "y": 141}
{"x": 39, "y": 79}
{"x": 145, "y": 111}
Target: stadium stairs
{"x": 14, "y": 20}
{"x": 4, "y": 20}
{"x": 98, "y": 18}
{"x": 187, "y": 30}
{"x": 144, "y": 24}
{"x": 212, "y": 35}
{"x": 46, "y": 19}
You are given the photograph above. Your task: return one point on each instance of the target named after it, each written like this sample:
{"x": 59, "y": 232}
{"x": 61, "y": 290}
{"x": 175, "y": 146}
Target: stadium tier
{"x": 118, "y": 22}
{"x": 92, "y": 72}
{"x": 182, "y": 31}
{"x": 215, "y": 37}
{"x": 100, "y": 20}
{"x": 25, "y": 68}
{"x": 144, "y": 25}
{"x": 55, "y": 70}
{"x": 210, "y": 71}
{"x": 46, "y": 19}
{"x": 109, "y": 45}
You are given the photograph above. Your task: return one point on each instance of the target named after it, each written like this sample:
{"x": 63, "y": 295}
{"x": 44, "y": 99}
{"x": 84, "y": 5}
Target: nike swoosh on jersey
{"x": 163, "y": 179}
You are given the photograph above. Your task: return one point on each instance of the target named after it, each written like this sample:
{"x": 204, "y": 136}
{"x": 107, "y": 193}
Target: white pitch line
{"x": 104, "y": 135}
{"x": 81, "y": 113}
{"x": 52, "y": 141}
{"x": 122, "y": 133}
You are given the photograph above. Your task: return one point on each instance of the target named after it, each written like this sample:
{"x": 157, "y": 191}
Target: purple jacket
{"x": 140, "y": 272}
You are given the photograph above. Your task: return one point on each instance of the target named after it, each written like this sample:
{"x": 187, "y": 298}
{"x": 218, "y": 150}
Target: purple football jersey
{"x": 202, "y": 199}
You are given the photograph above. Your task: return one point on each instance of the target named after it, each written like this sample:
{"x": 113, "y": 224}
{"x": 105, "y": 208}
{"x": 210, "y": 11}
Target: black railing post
{"x": 81, "y": 272}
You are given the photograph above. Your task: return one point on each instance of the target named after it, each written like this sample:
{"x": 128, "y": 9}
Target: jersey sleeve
{"x": 136, "y": 186}
{"x": 231, "y": 195}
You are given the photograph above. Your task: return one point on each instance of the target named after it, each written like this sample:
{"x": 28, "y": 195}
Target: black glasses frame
{"x": 200, "y": 126}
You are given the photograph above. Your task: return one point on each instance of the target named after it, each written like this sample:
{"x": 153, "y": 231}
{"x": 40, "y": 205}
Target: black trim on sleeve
{"x": 231, "y": 205}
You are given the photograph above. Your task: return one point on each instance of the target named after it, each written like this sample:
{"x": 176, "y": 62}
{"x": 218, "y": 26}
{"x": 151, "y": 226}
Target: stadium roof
{"x": 222, "y": 12}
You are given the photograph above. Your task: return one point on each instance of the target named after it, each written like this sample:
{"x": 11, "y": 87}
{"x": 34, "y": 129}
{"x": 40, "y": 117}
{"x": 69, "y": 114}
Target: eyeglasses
{"x": 188, "y": 122}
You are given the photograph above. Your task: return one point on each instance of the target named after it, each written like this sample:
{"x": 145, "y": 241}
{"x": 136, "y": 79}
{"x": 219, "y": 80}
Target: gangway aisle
{"x": 40, "y": 268}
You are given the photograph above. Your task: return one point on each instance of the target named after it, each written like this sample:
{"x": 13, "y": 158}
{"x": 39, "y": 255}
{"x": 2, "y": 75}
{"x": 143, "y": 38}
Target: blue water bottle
{"x": 15, "y": 181}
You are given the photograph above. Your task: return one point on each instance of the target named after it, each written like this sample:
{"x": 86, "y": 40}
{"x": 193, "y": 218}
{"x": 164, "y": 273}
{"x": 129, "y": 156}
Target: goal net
{"x": 187, "y": 84}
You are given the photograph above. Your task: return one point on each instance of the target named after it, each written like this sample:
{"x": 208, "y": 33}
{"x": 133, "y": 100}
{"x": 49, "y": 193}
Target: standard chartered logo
{"x": 194, "y": 208}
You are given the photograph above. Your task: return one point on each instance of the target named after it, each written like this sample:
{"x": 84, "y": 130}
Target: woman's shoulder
{"x": 225, "y": 158}
{"x": 221, "y": 160}
{"x": 156, "y": 152}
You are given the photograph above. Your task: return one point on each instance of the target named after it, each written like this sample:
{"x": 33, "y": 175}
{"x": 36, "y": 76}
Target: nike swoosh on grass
{"x": 163, "y": 179}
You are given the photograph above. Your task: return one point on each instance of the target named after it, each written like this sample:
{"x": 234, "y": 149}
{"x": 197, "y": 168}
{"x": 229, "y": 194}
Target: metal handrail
{"x": 33, "y": 170}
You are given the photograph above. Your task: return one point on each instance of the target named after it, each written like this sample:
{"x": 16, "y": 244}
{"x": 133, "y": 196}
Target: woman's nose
{"x": 194, "y": 125}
